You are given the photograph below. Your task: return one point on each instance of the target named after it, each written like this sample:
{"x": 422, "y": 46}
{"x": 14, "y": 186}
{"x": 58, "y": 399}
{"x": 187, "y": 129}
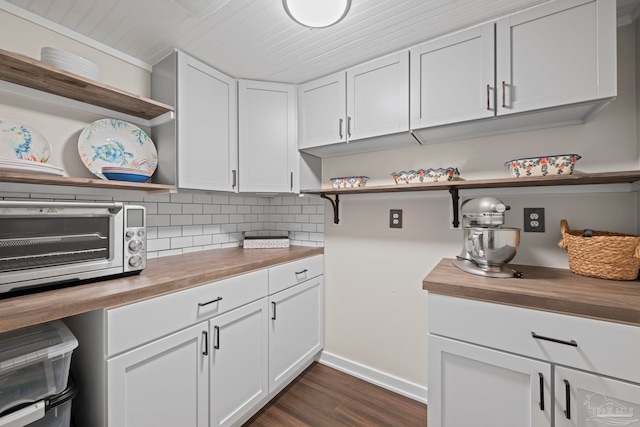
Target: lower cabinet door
{"x": 471, "y": 385}
{"x": 239, "y": 362}
{"x": 295, "y": 330}
{"x": 161, "y": 384}
{"x": 584, "y": 400}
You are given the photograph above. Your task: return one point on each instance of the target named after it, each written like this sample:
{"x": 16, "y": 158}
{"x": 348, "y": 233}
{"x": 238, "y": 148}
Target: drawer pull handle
{"x": 205, "y": 334}
{"x": 567, "y": 400}
{"x": 217, "y": 344}
{"x": 541, "y": 390}
{"x": 301, "y": 272}
{"x": 488, "y": 97}
{"x": 273, "y": 303}
{"x": 202, "y": 304}
{"x": 504, "y": 84}
{"x": 572, "y": 343}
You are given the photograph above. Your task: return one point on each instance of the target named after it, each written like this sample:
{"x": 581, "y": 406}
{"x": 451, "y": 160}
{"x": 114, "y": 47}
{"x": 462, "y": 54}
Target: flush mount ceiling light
{"x": 317, "y": 13}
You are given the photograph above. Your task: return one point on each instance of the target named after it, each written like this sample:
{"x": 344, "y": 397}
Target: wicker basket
{"x": 604, "y": 255}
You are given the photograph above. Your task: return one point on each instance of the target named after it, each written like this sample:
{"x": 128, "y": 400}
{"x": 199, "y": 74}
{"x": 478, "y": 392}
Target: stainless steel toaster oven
{"x": 43, "y": 243}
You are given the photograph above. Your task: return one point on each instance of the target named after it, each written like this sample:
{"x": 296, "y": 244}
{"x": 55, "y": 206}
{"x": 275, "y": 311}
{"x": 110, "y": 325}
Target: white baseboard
{"x": 390, "y": 382}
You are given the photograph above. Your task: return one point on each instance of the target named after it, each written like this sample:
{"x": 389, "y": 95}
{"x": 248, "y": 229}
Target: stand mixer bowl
{"x": 491, "y": 247}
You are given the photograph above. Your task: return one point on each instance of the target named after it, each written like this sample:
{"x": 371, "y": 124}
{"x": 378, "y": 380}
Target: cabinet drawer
{"x": 286, "y": 275}
{"x": 135, "y": 324}
{"x": 602, "y": 347}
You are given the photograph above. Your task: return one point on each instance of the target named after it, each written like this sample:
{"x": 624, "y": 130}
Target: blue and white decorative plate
{"x": 22, "y": 142}
{"x": 111, "y": 142}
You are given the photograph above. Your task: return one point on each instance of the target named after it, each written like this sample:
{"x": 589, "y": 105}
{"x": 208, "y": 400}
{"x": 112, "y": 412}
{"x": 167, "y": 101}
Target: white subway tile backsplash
{"x": 229, "y": 209}
{"x": 211, "y": 229}
{"x": 236, "y": 200}
{"x": 192, "y": 230}
{"x": 302, "y": 218}
{"x": 211, "y": 209}
{"x": 181, "y": 242}
{"x": 192, "y": 208}
{"x": 158, "y": 220}
{"x": 174, "y": 231}
{"x": 203, "y": 198}
{"x": 309, "y": 209}
{"x": 202, "y": 219}
{"x": 169, "y": 208}
{"x": 182, "y": 197}
{"x": 158, "y": 244}
{"x": 202, "y": 240}
{"x": 181, "y": 219}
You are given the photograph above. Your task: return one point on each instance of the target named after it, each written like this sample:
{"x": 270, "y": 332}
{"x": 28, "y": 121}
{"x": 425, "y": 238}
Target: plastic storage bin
{"x": 34, "y": 363}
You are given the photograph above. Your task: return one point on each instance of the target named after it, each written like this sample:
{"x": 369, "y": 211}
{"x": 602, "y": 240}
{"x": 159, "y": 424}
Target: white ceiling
{"x": 255, "y": 39}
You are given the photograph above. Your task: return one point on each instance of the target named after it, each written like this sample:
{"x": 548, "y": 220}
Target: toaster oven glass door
{"x": 47, "y": 241}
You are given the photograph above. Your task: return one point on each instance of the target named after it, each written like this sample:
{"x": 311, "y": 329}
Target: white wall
{"x": 375, "y": 308}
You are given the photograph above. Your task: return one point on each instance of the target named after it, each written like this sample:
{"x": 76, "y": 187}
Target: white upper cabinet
{"x": 556, "y": 62}
{"x": 322, "y": 111}
{"x": 559, "y": 53}
{"x": 267, "y": 137}
{"x": 453, "y": 78}
{"x": 378, "y": 97}
{"x": 199, "y": 149}
{"x": 367, "y": 101}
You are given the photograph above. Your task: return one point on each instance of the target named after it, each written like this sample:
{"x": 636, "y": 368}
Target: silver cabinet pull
{"x": 340, "y": 121}
{"x": 349, "y": 126}
{"x": 273, "y": 303}
{"x": 234, "y": 178}
{"x": 205, "y": 335}
{"x": 572, "y": 343}
{"x": 202, "y": 304}
{"x": 217, "y": 332}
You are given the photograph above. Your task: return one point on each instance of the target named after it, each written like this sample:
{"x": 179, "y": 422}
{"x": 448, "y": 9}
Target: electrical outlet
{"x": 395, "y": 218}
{"x": 534, "y": 220}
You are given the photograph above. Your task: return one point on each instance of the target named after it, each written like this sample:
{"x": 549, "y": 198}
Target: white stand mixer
{"x": 488, "y": 246}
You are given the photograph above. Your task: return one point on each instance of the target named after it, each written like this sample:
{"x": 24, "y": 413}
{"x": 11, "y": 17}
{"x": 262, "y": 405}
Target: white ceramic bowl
{"x": 70, "y": 62}
{"x": 557, "y": 164}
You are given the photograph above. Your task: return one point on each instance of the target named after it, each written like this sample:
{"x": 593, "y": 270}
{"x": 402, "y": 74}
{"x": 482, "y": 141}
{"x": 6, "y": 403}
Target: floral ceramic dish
{"x": 115, "y": 143}
{"x": 349, "y": 181}
{"x": 557, "y": 164}
{"x": 425, "y": 175}
{"x": 19, "y": 141}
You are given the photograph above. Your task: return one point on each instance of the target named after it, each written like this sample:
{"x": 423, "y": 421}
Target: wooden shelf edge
{"x": 42, "y": 179}
{"x": 618, "y": 177}
{"x": 31, "y": 73}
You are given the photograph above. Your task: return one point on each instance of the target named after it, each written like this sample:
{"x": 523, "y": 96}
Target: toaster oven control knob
{"x": 130, "y": 234}
{"x": 140, "y": 233}
{"x": 135, "y": 261}
{"x": 135, "y": 245}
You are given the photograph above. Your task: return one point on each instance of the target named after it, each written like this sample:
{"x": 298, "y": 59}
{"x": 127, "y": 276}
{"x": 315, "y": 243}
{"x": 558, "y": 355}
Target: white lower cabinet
{"x": 584, "y": 399}
{"x": 239, "y": 362}
{"x": 497, "y": 365}
{"x": 161, "y": 384}
{"x": 295, "y": 330}
{"x": 206, "y": 356}
{"x": 471, "y": 385}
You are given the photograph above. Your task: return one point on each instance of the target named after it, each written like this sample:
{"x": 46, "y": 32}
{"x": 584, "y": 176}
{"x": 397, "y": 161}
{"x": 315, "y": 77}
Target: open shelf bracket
{"x": 336, "y": 208}
{"x": 455, "y": 200}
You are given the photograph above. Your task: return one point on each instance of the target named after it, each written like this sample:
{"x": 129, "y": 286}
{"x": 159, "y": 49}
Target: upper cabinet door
{"x": 378, "y": 97}
{"x": 559, "y": 53}
{"x": 322, "y": 106}
{"x": 267, "y": 137}
{"x": 207, "y": 127}
{"x": 453, "y": 78}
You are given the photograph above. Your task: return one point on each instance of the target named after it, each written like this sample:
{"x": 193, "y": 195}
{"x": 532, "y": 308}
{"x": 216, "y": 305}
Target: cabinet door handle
{"x": 205, "y": 335}
{"x": 340, "y": 122}
{"x": 273, "y": 304}
{"x": 217, "y": 331}
{"x": 567, "y": 400}
{"x": 541, "y": 390}
{"x": 291, "y": 181}
{"x": 504, "y": 104}
{"x": 572, "y": 343}
{"x": 488, "y": 97}
{"x": 301, "y": 272}
{"x": 202, "y": 304}
{"x": 349, "y": 126}
{"x": 234, "y": 178}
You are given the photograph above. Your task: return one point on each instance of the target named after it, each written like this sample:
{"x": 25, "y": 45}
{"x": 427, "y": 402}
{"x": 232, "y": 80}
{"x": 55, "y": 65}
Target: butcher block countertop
{"x": 162, "y": 276}
{"x": 542, "y": 288}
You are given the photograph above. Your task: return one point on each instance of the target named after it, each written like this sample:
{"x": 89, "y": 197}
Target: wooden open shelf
{"x": 453, "y": 187}
{"x": 43, "y": 179}
{"x": 25, "y": 71}
{"x": 533, "y": 181}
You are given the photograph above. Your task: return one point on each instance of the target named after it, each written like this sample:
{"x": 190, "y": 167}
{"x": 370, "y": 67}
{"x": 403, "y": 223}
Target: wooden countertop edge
{"x": 31, "y": 309}
{"x": 561, "y": 302}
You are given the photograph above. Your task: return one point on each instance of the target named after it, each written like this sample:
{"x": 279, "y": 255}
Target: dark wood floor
{"x": 323, "y": 396}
